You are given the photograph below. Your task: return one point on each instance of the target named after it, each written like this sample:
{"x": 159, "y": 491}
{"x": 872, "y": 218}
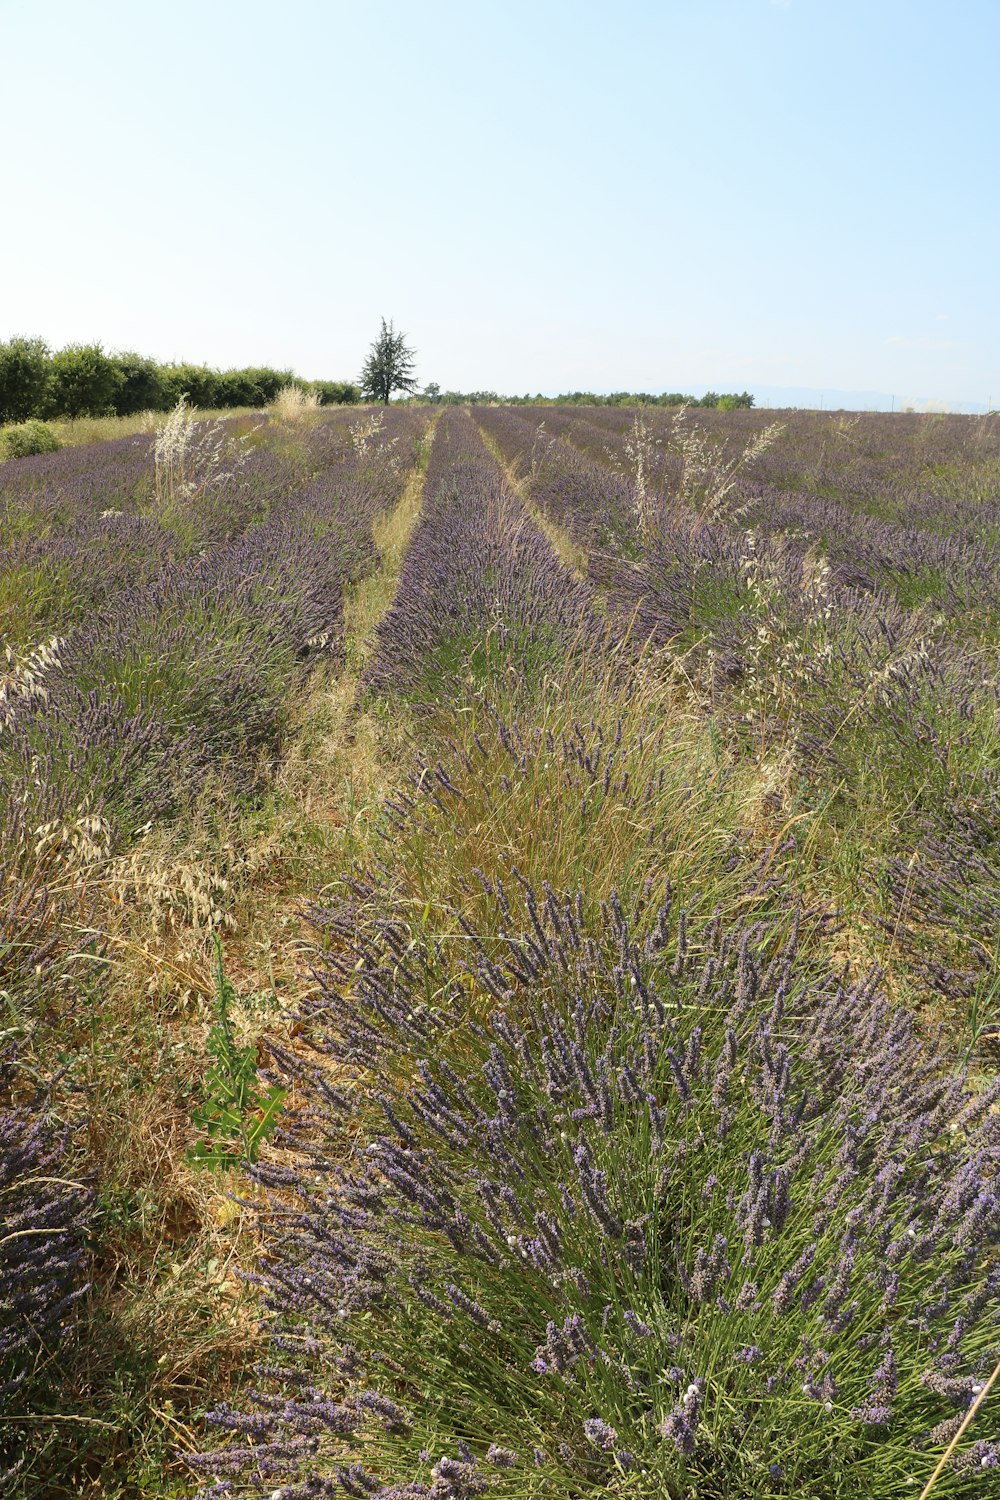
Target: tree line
{"x": 83, "y": 380}
{"x": 728, "y": 401}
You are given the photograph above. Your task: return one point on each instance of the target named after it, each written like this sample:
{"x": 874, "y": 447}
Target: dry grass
{"x": 294, "y": 406}
{"x": 74, "y": 431}
{"x": 672, "y": 815}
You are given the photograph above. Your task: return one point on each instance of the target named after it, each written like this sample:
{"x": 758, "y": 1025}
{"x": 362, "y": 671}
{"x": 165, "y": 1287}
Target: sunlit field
{"x": 499, "y": 912}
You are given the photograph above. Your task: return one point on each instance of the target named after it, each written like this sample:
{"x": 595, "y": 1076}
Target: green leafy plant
{"x": 237, "y": 1115}
{"x": 24, "y": 373}
{"x": 26, "y": 438}
{"x": 83, "y": 382}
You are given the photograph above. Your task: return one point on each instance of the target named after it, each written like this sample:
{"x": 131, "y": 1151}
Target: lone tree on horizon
{"x": 389, "y": 366}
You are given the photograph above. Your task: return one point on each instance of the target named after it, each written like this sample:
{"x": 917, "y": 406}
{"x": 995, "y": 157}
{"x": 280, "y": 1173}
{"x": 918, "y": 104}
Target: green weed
{"x": 237, "y": 1115}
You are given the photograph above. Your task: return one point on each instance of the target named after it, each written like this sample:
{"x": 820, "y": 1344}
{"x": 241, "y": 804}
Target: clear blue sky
{"x": 547, "y": 195}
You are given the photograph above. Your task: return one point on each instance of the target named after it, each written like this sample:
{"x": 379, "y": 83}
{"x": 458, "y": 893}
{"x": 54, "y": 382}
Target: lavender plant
{"x": 596, "y": 505}
{"x": 43, "y": 1221}
{"x": 681, "y": 1211}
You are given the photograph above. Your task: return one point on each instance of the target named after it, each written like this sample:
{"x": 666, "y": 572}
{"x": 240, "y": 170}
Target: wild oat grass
{"x": 708, "y": 477}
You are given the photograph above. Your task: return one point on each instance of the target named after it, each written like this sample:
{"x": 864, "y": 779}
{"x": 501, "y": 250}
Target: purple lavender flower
{"x": 600, "y": 1433}
{"x": 42, "y": 1254}
{"x": 680, "y": 1425}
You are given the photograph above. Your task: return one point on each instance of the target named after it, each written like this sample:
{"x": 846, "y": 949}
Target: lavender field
{"x": 499, "y": 915}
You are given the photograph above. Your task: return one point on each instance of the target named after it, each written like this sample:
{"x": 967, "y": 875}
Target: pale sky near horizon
{"x": 545, "y": 196}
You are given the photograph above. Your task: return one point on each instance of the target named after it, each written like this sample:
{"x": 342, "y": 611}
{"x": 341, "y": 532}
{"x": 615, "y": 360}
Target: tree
{"x": 141, "y": 387}
{"x": 336, "y": 392}
{"x": 254, "y": 386}
{"x": 197, "y": 382}
{"x": 83, "y": 382}
{"x": 24, "y": 374}
{"x": 389, "y": 366}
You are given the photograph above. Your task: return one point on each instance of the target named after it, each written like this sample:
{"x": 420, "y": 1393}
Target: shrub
{"x": 24, "y": 372}
{"x": 26, "y": 438}
{"x": 337, "y": 392}
{"x": 196, "y": 384}
{"x": 207, "y": 388}
{"x": 255, "y": 386}
{"x": 141, "y": 387}
{"x": 83, "y": 382}
{"x": 678, "y": 1216}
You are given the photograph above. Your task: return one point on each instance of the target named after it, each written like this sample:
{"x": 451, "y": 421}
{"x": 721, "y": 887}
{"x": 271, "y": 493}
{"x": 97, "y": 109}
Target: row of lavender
{"x": 939, "y": 547}
{"x": 862, "y": 647}
{"x": 80, "y": 525}
{"x": 181, "y": 665}
{"x": 172, "y": 665}
{"x": 481, "y": 593}
{"x": 588, "y": 1197}
{"x": 932, "y": 472}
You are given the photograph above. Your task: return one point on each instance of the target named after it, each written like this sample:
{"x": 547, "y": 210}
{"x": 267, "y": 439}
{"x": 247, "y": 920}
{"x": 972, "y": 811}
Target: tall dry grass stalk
{"x": 641, "y": 451}
{"x": 708, "y": 479}
{"x": 367, "y": 430}
{"x": 294, "y": 406}
{"x": 966, "y": 1423}
{"x": 191, "y": 457}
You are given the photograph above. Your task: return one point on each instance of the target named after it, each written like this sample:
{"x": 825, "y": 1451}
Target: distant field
{"x": 521, "y": 885}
